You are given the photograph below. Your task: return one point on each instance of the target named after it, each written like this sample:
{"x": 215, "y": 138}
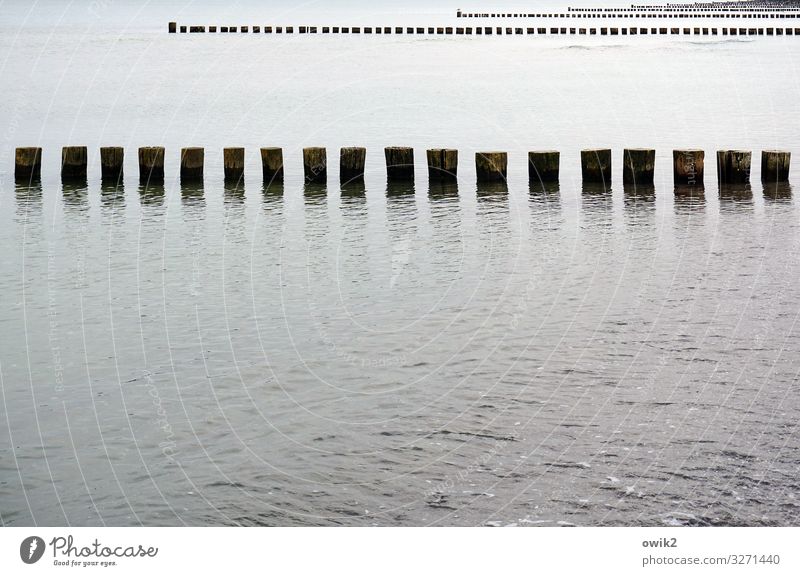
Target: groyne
{"x": 638, "y": 165}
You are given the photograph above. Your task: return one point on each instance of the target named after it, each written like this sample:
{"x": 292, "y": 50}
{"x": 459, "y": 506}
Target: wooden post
{"x": 733, "y": 166}
{"x": 233, "y": 161}
{"x": 596, "y": 165}
{"x": 272, "y": 164}
{"x": 351, "y": 164}
{"x": 28, "y": 164}
{"x": 442, "y": 164}
{"x": 73, "y": 163}
{"x": 688, "y": 167}
{"x": 399, "y": 163}
{"x": 543, "y": 166}
{"x": 111, "y": 161}
{"x": 638, "y": 166}
{"x": 775, "y": 165}
{"x": 173, "y": 27}
{"x": 151, "y": 165}
{"x": 192, "y": 160}
{"x": 315, "y": 164}
{"x": 491, "y": 166}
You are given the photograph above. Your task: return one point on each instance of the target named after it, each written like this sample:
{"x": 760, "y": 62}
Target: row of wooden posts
{"x": 490, "y": 30}
{"x": 623, "y": 13}
{"x": 638, "y": 164}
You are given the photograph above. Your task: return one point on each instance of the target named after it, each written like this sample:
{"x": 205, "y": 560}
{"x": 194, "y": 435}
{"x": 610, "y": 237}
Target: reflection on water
{"x": 400, "y": 189}
{"x": 151, "y": 194}
{"x": 315, "y": 192}
{"x": 596, "y": 189}
{"x": 28, "y": 196}
{"x": 735, "y": 195}
{"x": 689, "y": 198}
{"x": 544, "y": 189}
{"x": 233, "y": 192}
{"x": 596, "y": 198}
{"x": 192, "y": 193}
{"x": 545, "y": 200}
{"x": 272, "y": 192}
{"x": 75, "y": 195}
{"x": 639, "y": 192}
{"x": 353, "y": 188}
{"x": 777, "y": 191}
{"x": 112, "y": 196}
{"x": 443, "y": 190}
{"x": 492, "y": 190}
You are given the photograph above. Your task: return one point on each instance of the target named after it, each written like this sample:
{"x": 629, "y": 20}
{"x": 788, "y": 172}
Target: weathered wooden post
{"x": 775, "y": 165}
{"x": 111, "y": 162}
{"x": 151, "y": 164}
{"x": 399, "y": 163}
{"x": 351, "y": 164}
{"x": 733, "y": 166}
{"x": 315, "y": 164}
{"x": 442, "y": 164}
{"x": 491, "y": 166}
{"x": 73, "y": 163}
{"x": 543, "y": 166}
{"x": 233, "y": 163}
{"x": 638, "y": 166}
{"x": 596, "y": 165}
{"x": 192, "y": 160}
{"x": 272, "y": 164}
{"x": 688, "y": 167}
{"x": 28, "y": 164}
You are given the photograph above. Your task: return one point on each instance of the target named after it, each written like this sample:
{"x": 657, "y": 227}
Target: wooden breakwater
{"x": 638, "y": 165}
{"x": 490, "y": 30}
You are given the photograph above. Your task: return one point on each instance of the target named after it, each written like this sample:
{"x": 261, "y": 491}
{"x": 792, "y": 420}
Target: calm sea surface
{"x": 401, "y": 355}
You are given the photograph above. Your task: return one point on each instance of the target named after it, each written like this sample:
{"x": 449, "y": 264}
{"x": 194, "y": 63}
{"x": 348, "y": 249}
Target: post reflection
{"x": 75, "y": 195}
{"x": 28, "y": 195}
{"x": 689, "y": 197}
{"x": 315, "y": 193}
{"x": 233, "y": 192}
{"x": 541, "y": 188}
{"x": 544, "y": 197}
{"x": 640, "y": 192}
{"x": 735, "y": 195}
{"x": 396, "y": 189}
{"x": 272, "y": 193}
{"x": 443, "y": 190}
{"x": 492, "y": 190}
{"x": 777, "y": 191}
{"x": 112, "y": 195}
{"x": 151, "y": 194}
{"x": 353, "y": 189}
{"x": 596, "y": 196}
{"x": 639, "y": 197}
{"x": 192, "y": 194}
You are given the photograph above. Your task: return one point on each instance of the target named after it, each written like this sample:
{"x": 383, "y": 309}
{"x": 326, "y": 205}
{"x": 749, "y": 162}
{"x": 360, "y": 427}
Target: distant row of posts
{"x": 638, "y": 165}
{"x": 173, "y": 28}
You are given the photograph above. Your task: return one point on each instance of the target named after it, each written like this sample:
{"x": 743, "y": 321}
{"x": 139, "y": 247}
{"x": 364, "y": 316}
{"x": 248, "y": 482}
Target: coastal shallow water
{"x": 406, "y": 354}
